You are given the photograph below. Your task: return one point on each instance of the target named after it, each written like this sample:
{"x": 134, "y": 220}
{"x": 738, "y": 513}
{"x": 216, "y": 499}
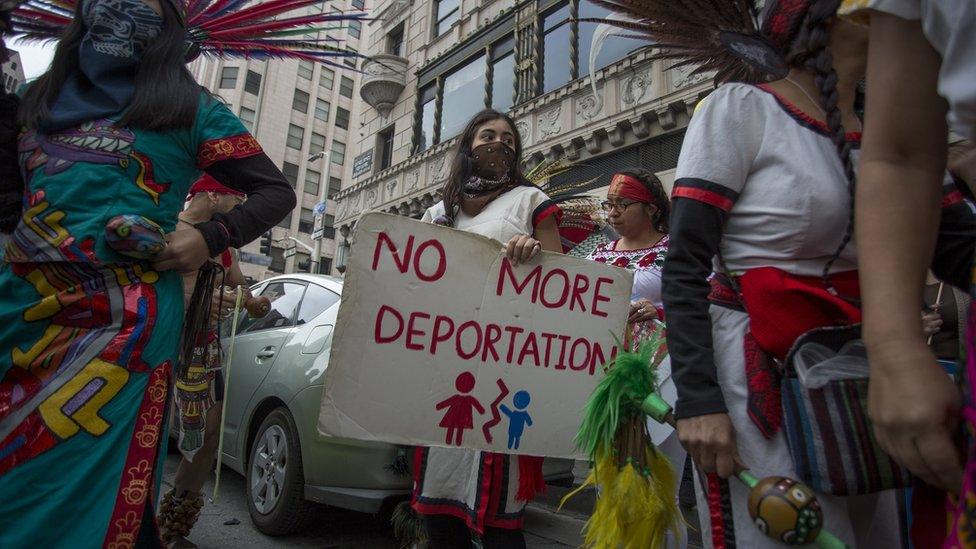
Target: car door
{"x": 258, "y": 343}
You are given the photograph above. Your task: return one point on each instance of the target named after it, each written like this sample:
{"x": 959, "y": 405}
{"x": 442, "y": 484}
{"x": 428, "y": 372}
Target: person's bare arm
{"x": 547, "y": 232}
{"x": 235, "y": 277}
{"x": 911, "y": 401}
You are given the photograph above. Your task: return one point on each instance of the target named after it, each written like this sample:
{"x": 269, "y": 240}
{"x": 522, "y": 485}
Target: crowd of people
{"x": 759, "y": 254}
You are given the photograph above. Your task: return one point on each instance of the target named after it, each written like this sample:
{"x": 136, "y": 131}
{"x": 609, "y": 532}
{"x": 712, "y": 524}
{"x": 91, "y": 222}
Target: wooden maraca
{"x": 258, "y": 306}
{"x": 783, "y": 509}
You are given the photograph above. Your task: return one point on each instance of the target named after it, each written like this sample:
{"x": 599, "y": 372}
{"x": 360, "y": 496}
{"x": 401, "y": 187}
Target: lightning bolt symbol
{"x": 496, "y": 417}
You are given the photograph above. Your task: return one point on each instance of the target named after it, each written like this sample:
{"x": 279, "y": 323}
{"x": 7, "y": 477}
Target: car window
{"x": 317, "y": 299}
{"x": 285, "y": 297}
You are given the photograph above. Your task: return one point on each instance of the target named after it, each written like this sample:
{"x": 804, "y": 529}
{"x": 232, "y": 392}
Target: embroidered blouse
{"x": 646, "y": 263}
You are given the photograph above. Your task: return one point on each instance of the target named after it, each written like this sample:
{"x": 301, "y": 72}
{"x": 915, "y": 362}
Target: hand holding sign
{"x": 439, "y": 332}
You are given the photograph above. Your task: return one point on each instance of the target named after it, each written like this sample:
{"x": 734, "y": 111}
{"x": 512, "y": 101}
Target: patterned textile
{"x": 196, "y": 393}
{"x": 88, "y": 337}
{"x": 646, "y": 264}
{"x": 962, "y": 510}
{"x": 480, "y": 488}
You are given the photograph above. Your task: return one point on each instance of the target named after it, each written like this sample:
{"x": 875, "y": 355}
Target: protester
{"x": 915, "y": 407}
{"x": 200, "y": 390}
{"x": 116, "y": 126}
{"x": 638, "y": 209}
{"x": 458, "y": 490}
{"x": 763, "y": 187}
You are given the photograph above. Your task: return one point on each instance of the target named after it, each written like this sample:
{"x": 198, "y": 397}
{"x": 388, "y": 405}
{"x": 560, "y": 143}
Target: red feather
{"x": 260, "y": 11}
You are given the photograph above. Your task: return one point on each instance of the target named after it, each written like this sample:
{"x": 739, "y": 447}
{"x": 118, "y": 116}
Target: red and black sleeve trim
{"x": 544, "y": 210}
{"x": 704, "y": 191}
{"x": 696, "y": 233}
{"x": 955, "y": 246}
{"x": 225, "y": 148}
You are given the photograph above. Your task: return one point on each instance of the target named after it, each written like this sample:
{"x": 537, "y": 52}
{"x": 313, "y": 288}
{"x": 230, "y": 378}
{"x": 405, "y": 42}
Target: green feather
{"x": 630, "y": 378}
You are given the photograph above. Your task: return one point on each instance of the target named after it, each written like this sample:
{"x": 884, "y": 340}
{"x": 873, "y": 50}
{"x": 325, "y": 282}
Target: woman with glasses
{"x": 637, "y": 208}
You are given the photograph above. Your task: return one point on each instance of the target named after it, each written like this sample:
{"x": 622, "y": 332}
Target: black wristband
{"x": 216, "y": 235}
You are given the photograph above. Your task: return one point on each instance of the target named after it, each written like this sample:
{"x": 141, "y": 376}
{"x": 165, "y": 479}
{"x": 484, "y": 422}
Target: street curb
{"x": 564, "y": 528}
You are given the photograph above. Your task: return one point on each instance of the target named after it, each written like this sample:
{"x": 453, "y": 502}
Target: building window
{"x": 286, "y": 222}
{"x": 305, "y": 221}
{"x": 296, "y": 135}
{"x": 384, "y": 148}
{"x": 335, "y": 185}
{"x": 338, "y": 152}
{"x": 247, "y": 118}
{"x": 394, "y": 41}
{"x": 342, "y": 118}
{"x": 358, "y": 4}
{"x": 305, "y": 69}
{"x": 316, "y": 143}
{"x": 326, "y": 267}
{"x": 300, "y": 102}
{"x": 345, "y": 87}
{"x": 326, "y": 78}
{"x": 355, "y": 28}
{"x": 350, "y": 60}
{"x": 328, "y": 227}
{"x": 252, "y": 83}
{"x": 503, "y": 75}
{"x": 322, "y": 109}
{"x": 291, "y": 173}
{"x": 446, "y": 13}
{"x": 556, "y": 60}
{"x": 312, "y": 178}
{"x": 462, "y": 89}
{"x": 425, "y": 137}
{"x": 228, "y": 78}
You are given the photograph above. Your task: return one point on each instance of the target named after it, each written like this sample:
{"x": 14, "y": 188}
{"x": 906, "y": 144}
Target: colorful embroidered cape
{"x": 88, "y": 338}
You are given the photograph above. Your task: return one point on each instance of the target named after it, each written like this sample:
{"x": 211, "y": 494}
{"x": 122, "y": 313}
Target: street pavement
{"x": 226, "y": 523}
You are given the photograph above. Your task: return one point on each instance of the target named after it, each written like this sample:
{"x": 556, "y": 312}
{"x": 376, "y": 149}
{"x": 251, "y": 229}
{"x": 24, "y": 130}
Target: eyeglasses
{"x": 620, "y": 205}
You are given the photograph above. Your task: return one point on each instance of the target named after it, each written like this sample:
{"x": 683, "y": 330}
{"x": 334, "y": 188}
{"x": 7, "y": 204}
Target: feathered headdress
{"x": 220, "y": 28}
{"x": 582, "y": 225}
{"x": 726, "y": 37}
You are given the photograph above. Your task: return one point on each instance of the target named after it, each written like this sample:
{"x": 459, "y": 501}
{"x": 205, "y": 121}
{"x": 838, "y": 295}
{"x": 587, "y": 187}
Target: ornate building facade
{"x": 301, "y": 113}
{"x": 435, "y": 63}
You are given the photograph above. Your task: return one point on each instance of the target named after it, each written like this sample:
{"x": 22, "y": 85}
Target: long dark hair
{"x": 166, "y": 96}
{"x": 461, "y": 165}
{"x": 660, "y": 219}
{"x": 810, "y": 52}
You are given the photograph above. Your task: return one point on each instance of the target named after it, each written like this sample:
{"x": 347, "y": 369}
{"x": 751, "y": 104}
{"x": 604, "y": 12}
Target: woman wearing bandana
{"x": 88, "y": 335}
{"x": 458, "y": 490}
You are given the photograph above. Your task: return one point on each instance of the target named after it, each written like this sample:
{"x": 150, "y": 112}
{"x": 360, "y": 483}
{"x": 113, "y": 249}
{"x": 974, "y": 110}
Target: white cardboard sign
{"x": 440, "y": 341}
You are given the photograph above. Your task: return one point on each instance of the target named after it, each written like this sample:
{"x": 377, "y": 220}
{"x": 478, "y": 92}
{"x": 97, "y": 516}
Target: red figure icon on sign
{"x": 459, "y": 416}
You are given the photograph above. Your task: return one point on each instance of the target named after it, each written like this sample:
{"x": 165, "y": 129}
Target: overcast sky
{"x": 35, "y": 57}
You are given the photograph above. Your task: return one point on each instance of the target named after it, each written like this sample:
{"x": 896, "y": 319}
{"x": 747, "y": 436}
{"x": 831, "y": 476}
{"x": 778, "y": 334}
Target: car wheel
{"x": 275, "y": 480}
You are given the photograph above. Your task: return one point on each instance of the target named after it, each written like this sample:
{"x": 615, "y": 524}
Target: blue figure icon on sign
{"x": 518, "y": 419}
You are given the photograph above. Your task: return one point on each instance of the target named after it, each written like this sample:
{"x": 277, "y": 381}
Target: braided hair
{"x": 660, "y": 219}
{"x": 810, "y": 52}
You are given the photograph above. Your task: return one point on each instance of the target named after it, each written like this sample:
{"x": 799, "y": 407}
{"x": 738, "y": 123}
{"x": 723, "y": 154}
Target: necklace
{"x": 814, "y": 102}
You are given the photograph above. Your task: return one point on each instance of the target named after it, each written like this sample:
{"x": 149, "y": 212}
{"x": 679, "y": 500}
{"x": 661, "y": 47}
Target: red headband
{"x": 626, "y": 186}
{"x": 207, "y": 184}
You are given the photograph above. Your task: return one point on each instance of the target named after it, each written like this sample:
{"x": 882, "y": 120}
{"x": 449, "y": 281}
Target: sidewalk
{"x": 545, "y": 527}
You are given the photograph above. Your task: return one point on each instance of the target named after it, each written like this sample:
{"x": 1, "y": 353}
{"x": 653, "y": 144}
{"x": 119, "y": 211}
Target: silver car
{"x": 273, "y": 396}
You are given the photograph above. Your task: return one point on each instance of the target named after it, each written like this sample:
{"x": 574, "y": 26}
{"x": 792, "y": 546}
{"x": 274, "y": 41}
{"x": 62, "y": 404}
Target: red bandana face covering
{"x": 625, "y": 186}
